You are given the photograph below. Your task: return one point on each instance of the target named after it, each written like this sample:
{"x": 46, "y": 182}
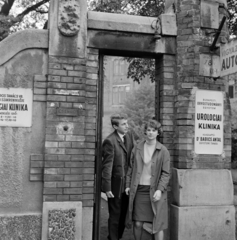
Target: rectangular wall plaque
{"x": 228, "y": 58}
{"x": 16, "y": 107}
{"x": 209, "y": 122}
{"x": 209, "y": 65}
{"x": 209, "y": 14}
{"x": 67, "y": 112}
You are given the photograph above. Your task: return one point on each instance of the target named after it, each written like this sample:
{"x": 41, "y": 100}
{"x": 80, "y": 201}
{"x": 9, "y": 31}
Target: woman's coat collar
{"x": 140, "y": 145}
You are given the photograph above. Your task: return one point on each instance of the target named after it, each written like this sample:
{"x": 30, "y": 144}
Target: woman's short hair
{"x": 116, "y": 117}
{"x": 152, "y": 123}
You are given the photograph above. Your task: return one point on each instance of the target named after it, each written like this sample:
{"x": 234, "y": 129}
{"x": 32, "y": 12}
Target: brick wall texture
{"x": 165, "y": 94}
{"x": 192, "y": 40}
{"x": 69, "y": 161}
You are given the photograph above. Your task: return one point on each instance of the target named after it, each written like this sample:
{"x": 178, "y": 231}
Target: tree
{"x": 140, "y": 67}
{"x": 140, "y": 106}
{"x": 22, "y": 14}
{"x": 151, "y": 8}
{"x": 232, "y": 7}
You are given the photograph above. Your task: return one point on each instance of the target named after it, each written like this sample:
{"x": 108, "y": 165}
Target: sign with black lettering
{"x": 209, "y": 65}
{"x": 209, "y": 122}
{"x": 228, "y": 58}
{"x": 16, "y": 107}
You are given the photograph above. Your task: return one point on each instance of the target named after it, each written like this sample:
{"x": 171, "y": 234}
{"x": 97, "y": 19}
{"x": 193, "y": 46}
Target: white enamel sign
{"x": 228, "y": 58}
{"x": 16, "y": 107}
{"x": 209, "y": 122}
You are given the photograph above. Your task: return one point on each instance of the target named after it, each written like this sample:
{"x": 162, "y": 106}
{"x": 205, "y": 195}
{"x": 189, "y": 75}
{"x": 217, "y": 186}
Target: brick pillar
{"x": 202, "y": 203}
{"x": 69, "y": 166}
{"x": 165, "y": 95}
{"x": 164, "y": 107}
{"x": 70, "y": 130}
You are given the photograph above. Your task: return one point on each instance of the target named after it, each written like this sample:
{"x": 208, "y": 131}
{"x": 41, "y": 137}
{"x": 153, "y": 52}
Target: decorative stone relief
{"x": 61, "y": 224}
{"x": 69, "y": 17}
{"x": 62, "y": 220}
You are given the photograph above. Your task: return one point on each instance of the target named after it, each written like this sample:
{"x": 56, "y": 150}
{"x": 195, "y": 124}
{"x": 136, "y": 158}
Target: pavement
{"x": 104, "y": 215}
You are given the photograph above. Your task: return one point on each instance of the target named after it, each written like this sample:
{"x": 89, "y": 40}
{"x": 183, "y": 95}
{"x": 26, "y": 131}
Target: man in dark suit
{"x": 116, "y": 151}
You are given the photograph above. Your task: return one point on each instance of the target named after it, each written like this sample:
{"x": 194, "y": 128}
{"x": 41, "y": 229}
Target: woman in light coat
{"x": 146, "y": 184}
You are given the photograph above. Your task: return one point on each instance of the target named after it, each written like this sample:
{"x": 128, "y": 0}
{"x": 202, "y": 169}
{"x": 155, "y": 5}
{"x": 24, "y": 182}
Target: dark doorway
{"x": 115, "y": 90}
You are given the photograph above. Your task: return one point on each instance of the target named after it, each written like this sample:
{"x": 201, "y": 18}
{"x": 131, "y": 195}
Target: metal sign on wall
{"x": 209, "y": 65}
{"x": 228, "y": 58}
{"x": 16, "y": 107}
{"x": 209, "y": 122}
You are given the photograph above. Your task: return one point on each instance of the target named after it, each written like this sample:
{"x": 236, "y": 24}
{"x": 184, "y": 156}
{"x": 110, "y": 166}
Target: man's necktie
{"x": 124, "y": 140}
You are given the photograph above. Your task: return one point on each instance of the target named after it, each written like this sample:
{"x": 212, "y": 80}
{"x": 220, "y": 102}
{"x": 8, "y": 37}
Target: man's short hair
{"x": 116, "y": 117}
{"x": 153, "y": 124}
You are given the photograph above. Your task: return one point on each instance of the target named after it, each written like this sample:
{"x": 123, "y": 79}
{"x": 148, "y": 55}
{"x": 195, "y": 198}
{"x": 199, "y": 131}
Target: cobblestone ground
{"x": 128, "y": 235}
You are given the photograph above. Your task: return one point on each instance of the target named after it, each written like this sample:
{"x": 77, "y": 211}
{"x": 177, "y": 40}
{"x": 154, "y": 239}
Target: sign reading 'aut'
{"x": 228, "y": 58}
{"x": 16, "y": 107}
{"x": 209, "y": 122}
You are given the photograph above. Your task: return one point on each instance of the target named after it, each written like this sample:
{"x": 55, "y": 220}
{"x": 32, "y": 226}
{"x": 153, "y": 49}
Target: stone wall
{"x": 20, "y": 227}
{"x": 192, "y": 40}
{"x": 23, "y": 66}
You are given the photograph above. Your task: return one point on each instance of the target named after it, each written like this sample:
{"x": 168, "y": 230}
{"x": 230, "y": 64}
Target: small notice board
{"x": 228, "y": 58}
{"x": 16, "y": 107}
{"x": 209, "y": 112}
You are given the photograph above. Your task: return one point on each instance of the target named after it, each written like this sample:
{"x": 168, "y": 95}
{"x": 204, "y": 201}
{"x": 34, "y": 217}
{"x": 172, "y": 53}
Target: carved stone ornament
{"x": 69, "y": 17}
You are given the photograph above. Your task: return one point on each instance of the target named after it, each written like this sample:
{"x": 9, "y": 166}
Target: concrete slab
{"x": 120, "y": 22}
{"x": 60, "y": 218}
{"x": 87, "y": 223}
{"x": 131, "y": 23}
{"x": 132, "y": 42}
{"x": 202, "y": 187}
{"x": 202, "y": 223}
{"x": 19, "y": 41}
{"x": 20, "y": 226}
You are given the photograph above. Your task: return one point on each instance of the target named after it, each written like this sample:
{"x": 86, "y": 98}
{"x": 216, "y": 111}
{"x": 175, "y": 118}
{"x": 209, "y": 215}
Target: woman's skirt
{"x": 142, "y": 209}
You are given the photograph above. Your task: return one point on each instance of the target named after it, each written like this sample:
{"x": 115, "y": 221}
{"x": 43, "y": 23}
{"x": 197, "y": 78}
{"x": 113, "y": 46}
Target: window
{"x": 116, "y": 67}
{"x": 119, "y": 67}
{"x": 120, "y": 93}
{"x": 231, "y": 91}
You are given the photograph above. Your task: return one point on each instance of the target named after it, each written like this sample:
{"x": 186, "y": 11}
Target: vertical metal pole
{"x": 98, "y": 157}
{"x": 157, "y": 89}
{"x": 157, "y": 92}
{"x": 213, "y": 46}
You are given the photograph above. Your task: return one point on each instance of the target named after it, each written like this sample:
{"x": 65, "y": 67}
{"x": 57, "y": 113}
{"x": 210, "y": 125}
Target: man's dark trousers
{"x": 117, "y": 214}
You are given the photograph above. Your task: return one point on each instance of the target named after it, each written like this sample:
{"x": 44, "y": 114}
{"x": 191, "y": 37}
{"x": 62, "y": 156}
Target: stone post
{"x": 71, "y": 116}
{"x": 202, "y": 189}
